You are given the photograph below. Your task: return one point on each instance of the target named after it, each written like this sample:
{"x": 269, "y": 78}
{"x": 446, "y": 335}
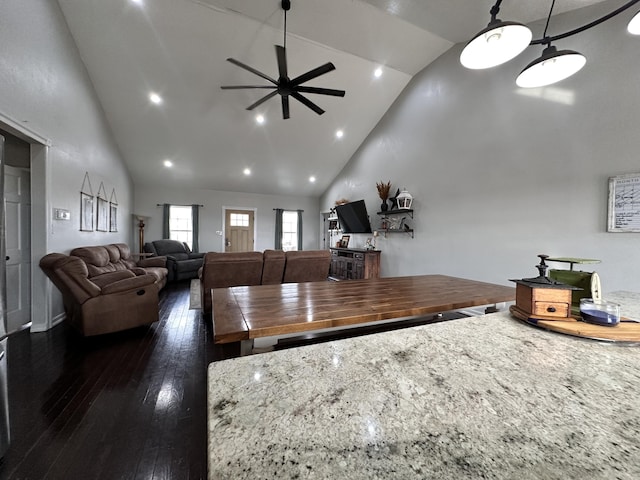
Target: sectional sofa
{"x": 221, "y": 270}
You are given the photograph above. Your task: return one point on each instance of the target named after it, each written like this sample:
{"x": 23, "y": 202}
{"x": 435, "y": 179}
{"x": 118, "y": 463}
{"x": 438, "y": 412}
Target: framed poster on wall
{"x": 103, "y": 215}
{"x": 86, "y": 212}
{"x": 624, "y": 203}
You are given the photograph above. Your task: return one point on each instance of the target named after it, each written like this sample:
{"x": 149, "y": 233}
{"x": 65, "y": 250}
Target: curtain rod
{"x": 287, "y": 210}
{"x": 177, "y": 205}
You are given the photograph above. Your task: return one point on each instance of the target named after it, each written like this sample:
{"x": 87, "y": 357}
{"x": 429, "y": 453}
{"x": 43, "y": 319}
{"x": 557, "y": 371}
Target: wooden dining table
{"x": 242, "y": 314}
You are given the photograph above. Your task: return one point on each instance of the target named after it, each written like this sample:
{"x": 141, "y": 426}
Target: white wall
{"x": 211, "y": 217}
{"x": 44, "y": 89}
{"x": 499, "y": 174}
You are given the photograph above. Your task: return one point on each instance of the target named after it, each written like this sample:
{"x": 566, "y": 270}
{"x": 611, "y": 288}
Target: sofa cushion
{"x": 178, "y": 256}
{"x": 229, "y": 269}
{"x": 111, "y": 277}
{"x": 273, "y": 267}
{"x": 307, "y": 266}
{"x": 189, "y": 265}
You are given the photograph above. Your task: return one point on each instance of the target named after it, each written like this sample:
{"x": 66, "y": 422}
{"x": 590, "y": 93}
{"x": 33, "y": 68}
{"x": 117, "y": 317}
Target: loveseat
{"x": 182, "y": 263}
{"x": 104, "y": 290}
{"x": 222, "y": 270}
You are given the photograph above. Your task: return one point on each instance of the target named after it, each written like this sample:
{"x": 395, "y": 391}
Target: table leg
{"x": 246, "y": 347}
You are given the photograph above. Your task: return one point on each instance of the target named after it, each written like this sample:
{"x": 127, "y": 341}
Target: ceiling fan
{"x": 285, "y": 86}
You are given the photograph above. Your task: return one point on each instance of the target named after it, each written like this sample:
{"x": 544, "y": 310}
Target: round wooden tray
{"x": 625, "y": 331}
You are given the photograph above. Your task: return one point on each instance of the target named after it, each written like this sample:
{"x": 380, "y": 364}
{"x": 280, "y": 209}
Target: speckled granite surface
{"x": 483, "y": 397}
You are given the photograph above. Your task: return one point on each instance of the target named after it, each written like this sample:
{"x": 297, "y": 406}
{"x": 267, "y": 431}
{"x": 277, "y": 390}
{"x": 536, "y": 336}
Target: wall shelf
{"x": 391, "y": 225}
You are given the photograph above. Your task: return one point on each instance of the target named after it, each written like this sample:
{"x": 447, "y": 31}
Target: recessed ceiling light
{"x": 260, "y": 119}
{"x": 339, "y": 134}
{"x": 138, "y": 2}
{"x": 155, "y": 98}
{"x": 247, "y": 171}
{"x": 312, "y": 179}
{"x": 168, "y": 163}
{"x": 378, "y": 72}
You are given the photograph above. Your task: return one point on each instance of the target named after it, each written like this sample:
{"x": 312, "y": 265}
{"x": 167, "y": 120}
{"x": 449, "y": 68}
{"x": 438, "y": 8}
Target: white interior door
{"x": 18, "y": 242}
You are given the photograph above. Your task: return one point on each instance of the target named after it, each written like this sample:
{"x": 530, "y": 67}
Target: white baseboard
{"x": 58, "y": 319}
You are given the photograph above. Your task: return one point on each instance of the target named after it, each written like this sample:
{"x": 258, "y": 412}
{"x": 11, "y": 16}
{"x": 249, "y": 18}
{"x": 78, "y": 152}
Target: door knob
{"x": 7, "y": 257}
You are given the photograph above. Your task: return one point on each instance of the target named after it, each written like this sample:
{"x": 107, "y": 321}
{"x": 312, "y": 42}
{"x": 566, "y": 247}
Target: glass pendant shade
{"x": 495, "y": 45}
{"x": 551, "y": 67}
{"x": 634, "y": 25}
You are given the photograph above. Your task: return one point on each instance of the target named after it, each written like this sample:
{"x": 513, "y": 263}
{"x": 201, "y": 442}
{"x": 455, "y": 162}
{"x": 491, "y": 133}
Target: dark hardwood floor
{"x": 130, "y": 405}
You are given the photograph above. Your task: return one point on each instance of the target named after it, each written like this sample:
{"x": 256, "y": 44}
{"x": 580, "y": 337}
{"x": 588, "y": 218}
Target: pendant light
{"x": 498, "y": 43}
{"x": 552, "y": 66}
{"x": 502, "y": 41}
{"x": 634, "y": 25}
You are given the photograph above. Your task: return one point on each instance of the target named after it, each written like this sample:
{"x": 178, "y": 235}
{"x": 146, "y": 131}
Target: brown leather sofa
{"x": 222, "y": 270}
{"x": 104, "y": 290}
{"x": 103, "y": 259}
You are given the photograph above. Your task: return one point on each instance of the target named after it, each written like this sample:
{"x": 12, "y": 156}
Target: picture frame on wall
{"x": 344, "y": 241}
{"x": 624, "y": 203}
{"x": 86, "y": 212}
{"x": 113, "y": 212}
{"x": 103, "y": 215}
{"x": 113, "y": 217}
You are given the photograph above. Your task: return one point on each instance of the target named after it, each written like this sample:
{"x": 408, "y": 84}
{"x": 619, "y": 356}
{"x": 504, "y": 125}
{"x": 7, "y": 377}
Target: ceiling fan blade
{"x": 252, "y": 70}
{"x": 262, "y": 100}
{"x": 321, "y": 91}
{"x": 307, "y": 102}
{"x": 285, "y": 107}
{"x": 311, "y": 74}
{"x": 281, "y": 55}
{"x": 237, "y": 87}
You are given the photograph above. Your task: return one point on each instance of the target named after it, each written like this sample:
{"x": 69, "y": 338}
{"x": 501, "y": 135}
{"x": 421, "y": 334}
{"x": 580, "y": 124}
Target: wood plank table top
{"x": 245, "y": 313}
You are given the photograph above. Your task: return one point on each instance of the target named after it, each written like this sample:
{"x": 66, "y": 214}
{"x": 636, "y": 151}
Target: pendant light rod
{"x": 546, "y": 40}
{"x": 286, "y": 6}
{"x": 546, "y": 26}
{"x": 495, "y": 10}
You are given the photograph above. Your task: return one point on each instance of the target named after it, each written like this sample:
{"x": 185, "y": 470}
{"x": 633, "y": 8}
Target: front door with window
{"x": 238, "y": 232}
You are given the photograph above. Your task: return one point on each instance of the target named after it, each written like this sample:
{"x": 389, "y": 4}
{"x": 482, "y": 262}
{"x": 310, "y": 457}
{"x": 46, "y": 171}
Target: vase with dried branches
{"x": 383, "y": 193}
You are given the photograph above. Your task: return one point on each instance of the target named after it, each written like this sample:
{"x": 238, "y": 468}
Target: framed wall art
{"x": 86, "y": 205}
{"x": 86, "y": 212}
{"x": 624, "y": 203}
{"x": 103, "y": 210}
{"x": 113, "y": 212}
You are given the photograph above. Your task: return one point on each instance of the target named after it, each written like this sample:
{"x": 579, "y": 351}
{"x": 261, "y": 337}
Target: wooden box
{"x": 541, "y": 301}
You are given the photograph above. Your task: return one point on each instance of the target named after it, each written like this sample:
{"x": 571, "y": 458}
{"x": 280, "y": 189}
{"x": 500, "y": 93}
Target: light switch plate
{"x": 61, "y": 214}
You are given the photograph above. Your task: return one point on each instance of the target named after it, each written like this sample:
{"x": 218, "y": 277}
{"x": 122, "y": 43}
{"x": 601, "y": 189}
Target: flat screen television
{"x": 353, "y": 217}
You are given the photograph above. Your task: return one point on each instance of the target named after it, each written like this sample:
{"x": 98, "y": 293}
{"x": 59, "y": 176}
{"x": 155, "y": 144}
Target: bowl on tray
{"x": 600, "y": 312}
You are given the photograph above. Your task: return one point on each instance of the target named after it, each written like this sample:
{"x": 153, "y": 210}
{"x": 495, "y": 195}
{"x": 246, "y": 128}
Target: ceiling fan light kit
{"x": 502, "y": 41}
{"x": 284, "y": 86}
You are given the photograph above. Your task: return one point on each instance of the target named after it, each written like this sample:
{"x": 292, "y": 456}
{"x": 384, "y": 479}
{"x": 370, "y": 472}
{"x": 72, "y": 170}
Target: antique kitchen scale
{"x": 553, "y": 302}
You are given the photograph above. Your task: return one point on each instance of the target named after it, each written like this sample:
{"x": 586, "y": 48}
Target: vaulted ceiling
{"x": 178, "y": 49}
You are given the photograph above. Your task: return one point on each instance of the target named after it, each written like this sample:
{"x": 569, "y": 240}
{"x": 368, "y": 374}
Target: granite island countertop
{"x": 481, "y": 397}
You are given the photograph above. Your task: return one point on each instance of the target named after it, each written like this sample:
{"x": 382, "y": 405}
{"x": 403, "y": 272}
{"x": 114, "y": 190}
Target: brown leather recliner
{"x": 229, "y": 269}
{"x": 109, "y": 302}
{"x": 306, "y": 266}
